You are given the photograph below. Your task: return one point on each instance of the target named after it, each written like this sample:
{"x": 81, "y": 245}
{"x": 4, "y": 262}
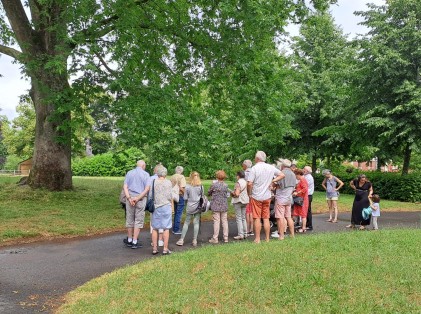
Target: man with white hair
{"x": 259, "y": 182}
{"x": 179, "y": 180}
{"x": 310, "y": 180}
{"x": 283, "y": 199}
{"x": 136, "y": 187}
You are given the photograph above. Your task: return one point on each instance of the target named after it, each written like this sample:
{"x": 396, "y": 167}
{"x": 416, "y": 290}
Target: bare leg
{"x": 257, "y": 229}
{"x": 166, "y": 237}
{"x": 130, "y": 233}
{"x": 335, "y": 209}
{"x": 291, "y": 227}
{"x": 329, "y": 204}
{"x": 266, "y": 227}
{"x": 136, "y": 232}
{"x": 281, "y": 227}
{"x": 154, "y": 239}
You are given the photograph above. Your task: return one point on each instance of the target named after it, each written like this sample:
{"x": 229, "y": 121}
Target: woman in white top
{"x": 240, "y": 199}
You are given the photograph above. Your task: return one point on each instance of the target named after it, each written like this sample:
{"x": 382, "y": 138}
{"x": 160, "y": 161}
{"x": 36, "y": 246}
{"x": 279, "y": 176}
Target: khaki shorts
{"x": 282, "y": 211}
{"x": 135, "y": 215}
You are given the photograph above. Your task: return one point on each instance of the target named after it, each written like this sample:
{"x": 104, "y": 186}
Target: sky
{"x": 12, "y": 85}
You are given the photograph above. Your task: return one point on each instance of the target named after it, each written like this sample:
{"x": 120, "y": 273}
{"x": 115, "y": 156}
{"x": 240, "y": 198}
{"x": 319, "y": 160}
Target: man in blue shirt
{"x": 136, "y": 188}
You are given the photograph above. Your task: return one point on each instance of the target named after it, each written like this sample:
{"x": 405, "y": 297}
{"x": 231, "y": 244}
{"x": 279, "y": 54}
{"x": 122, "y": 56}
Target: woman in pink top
{"x": 301, "y": 190}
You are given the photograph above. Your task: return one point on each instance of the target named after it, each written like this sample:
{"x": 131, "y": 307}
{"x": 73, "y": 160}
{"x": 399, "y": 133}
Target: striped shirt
{"x": 261, "y": 175}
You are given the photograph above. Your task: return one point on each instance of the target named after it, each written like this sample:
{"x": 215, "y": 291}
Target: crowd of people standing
{"x": 255, "y": 187}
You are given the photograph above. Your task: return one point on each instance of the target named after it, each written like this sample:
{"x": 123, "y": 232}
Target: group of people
{"x": 255, "y": 187}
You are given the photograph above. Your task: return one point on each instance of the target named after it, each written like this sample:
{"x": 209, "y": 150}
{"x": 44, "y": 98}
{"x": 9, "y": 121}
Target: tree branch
{"x": 19, "y": 23}
{"x": 101, "y": 59}
{"x": 11, "y": 52}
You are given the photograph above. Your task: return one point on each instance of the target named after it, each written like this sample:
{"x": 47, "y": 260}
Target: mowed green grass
{"x": 92, "y": 208}
{"x": 354, "y": 272}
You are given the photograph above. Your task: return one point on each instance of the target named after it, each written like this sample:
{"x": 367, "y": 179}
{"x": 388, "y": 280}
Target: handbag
{"x": 150, "y": 203}
{"x": 298, "y": 200}
{"x": 203, "y": 202}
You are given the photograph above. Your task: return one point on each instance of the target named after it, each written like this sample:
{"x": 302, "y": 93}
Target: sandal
{"x": 154, "y": 251}
{"x": 362, "y": 228}
{"x": 329, "y": 220}
{"x": 302, "y": 230}
{"x": 350, "y": 226}
{"x": 335, "y": 221}
{"x": 167, "y": 252}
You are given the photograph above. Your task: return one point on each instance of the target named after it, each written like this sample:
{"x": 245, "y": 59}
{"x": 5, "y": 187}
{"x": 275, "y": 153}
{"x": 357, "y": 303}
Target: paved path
{"x": 35, "y": 277}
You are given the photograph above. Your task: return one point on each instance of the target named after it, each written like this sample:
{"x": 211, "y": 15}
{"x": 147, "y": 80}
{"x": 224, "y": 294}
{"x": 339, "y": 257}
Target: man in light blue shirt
{"x": 136, "y": 188}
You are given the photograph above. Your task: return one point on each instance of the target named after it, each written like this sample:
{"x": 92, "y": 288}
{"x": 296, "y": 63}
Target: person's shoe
{"x": 176, "y": 232}
{"x": 309, "y": 228}
{"x": 239, "y": 237}
{"x": 167, "y": 252}
{"x": 226, "y": 240}
{"x": 180, "y": 242}
{"x": 194, "y": 243}
{"x": 129, "y": 244}
{"x": 213, "y": 241}
{"x": 136, "y": 245}
{"x": 251, "y": 233}
{"x": 160, "y": 243}
{"x": 125, "y": 240}
{"x": 275, "y": 234}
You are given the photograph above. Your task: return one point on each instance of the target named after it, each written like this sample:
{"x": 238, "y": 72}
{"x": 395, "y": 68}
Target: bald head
{"x": 141, "y": 164}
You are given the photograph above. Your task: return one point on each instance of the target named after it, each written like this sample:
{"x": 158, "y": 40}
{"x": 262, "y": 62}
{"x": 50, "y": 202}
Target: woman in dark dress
{"x": 363, "y": 191}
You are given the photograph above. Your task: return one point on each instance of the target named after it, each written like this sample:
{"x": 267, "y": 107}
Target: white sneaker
{"x": 275, "y": 234}
{"x": 160, "y": 243}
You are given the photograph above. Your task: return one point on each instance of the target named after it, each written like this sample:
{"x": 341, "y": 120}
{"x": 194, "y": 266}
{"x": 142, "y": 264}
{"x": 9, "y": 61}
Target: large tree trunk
{"x": 51, "y": 165}
{"x": 406, "y": 159}
{"x": 314, "y": 163}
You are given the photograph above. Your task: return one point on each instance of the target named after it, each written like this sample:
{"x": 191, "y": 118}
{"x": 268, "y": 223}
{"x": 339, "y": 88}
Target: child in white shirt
{"x": 375, "y": 209}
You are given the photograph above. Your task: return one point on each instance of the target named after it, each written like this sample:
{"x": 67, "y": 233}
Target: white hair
{"x": 161, "y": 171}
{"x": 261, "y": 155}
{"x": 247, "y": 163}
{"x": 179, "y": 169}
{"x": 308, "y": 169}
{"x": 141, "y": 164}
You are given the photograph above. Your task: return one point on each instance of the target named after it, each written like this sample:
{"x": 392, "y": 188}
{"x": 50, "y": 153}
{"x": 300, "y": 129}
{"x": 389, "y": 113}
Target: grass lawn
{"x": 92, "y": 208}
{"x": 354, "y": 272}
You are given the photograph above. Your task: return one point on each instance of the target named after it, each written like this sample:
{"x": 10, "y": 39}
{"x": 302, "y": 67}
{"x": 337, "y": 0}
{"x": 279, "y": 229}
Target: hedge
{"x": 392, "y": 186}
{"x": 108, "y": 164}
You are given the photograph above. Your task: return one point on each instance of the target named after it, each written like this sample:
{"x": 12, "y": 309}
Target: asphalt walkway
{"x": 35, "y": 277}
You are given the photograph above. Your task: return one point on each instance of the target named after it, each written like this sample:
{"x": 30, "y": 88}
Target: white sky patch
{"x": 12, "y": 86}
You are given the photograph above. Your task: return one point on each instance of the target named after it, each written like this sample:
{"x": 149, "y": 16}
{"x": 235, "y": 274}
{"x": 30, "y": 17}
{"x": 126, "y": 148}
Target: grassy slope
{"x": 92, "y": 207}
{"x": 357, "y": 272}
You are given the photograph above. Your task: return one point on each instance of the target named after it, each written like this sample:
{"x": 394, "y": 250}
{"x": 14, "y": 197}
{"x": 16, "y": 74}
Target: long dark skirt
{"x": 360, "y": 202}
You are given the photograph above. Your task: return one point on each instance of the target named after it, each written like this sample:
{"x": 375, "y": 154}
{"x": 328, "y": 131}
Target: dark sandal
{"x": 155, "y": 251}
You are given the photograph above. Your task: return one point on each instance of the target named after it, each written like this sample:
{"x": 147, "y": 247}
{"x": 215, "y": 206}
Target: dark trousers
{"x": 309, "y": 223}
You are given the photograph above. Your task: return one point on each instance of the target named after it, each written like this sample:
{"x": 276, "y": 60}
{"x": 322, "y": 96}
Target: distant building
{"x": 25, "y": 166}
{"x": 372, "y": 165}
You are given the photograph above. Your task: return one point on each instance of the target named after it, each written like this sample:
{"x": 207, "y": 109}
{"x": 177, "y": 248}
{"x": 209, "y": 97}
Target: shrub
{"x": 108, "y": 164}
{"x": 392, "y": 186}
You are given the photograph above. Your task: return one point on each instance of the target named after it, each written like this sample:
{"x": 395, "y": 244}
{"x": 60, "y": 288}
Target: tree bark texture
{"x": 406, "y": 159}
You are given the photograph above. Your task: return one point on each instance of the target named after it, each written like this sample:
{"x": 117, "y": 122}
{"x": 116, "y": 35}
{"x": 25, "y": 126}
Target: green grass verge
{"x": 91, "y": 208}
{"x": 354, "y": 272}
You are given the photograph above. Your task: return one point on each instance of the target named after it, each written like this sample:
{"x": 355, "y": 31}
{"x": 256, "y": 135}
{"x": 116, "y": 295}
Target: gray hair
{"x": 247, "y": 163}
{"x": 179, "y": 169}
{"x": 141, "y": 164}
{"x": 285, "y": 163}
{"x": 261, "y": 155}
{"x": 161, "y": 171}
{"x": 308, "y": 169}
{"x": 326, "y": 171}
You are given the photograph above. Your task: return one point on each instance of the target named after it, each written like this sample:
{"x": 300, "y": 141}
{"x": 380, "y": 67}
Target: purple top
{"x": 219, "y": 193}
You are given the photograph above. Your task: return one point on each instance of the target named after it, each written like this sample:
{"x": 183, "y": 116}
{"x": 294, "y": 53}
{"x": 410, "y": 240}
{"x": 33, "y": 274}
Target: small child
{"x": 375, "y": 207}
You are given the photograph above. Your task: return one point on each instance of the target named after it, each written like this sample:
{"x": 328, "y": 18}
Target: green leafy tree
{"x": 323, "y": 59}
{"x": 19, "y": 135}
{"x": 149, "y": 44}
{"x": 390, "y": 85}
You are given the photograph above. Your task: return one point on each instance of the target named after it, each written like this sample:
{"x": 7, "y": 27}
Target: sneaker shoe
{"x": 160, "y": 243}
{"x": 167, "y": 252}
{"x": 239, "y": 237}
{"x": 136, "y": 246}
{"x": 176, "y": 232}
{"x": 226, "y": 240}
{"x": 213, "y": 241}
{"x": 180, "y": 242}
{"x": 125, "y": 240}
{"x": 275, "y": 234}
{"x": 251, "y": 233}
{"x": 129, "y": 244}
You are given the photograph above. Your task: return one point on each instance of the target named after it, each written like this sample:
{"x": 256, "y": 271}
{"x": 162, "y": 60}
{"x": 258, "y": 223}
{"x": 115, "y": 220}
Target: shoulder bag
{"x": 150, "y": 203}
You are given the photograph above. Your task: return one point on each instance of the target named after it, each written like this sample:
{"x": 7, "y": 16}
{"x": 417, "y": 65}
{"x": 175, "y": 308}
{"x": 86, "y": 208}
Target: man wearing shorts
{"x": 259, "y": 182}
{"x": 136, "y": 187}
{"x": 283, "y": 199}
